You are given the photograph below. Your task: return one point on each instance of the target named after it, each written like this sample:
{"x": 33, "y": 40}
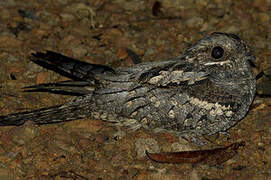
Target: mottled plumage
{"x": 206, "y": 90}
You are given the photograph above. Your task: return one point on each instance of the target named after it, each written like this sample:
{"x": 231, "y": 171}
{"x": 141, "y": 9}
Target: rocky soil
{"x": 98, "y": 31}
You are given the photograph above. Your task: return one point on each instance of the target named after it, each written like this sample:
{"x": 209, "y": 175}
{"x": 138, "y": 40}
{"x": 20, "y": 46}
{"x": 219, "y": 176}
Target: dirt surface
{"x": 98, "y": 31}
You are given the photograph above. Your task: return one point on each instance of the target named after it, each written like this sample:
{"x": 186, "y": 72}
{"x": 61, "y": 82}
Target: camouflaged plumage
{"x": 206, "y": 90}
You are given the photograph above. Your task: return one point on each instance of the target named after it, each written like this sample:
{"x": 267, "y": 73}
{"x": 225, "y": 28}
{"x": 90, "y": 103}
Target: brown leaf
{"x": 209, "y": 156}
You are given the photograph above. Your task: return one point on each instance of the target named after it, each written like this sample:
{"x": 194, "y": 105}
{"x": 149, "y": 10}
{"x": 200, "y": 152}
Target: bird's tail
{"x": 76, "y": 109}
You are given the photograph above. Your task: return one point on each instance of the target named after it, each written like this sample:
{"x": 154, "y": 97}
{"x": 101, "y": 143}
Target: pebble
{"x": 64, "y": 142}
{"x": 194, "y": 22}
{"x": 25, "y": 135}
{"x": 92, "y": 126}
{"x": 84, "y": 143}
{"x": 79, "y": 51}
{"x": 8, "y": 40}
{"x": 143, "y": 145}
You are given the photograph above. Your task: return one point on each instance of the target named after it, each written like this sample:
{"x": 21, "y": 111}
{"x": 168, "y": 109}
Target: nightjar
{"x": 206, "y": 90}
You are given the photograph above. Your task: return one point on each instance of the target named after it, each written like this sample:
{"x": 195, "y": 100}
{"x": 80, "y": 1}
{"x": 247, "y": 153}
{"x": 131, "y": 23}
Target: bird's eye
{"x": 217, "y": 52}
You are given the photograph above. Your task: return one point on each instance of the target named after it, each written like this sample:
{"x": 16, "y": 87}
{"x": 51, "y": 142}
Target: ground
{"x": 98, "y": 31}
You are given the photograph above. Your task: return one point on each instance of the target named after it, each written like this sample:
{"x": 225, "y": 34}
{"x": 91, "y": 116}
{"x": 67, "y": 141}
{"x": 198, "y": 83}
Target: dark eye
{"x": 217, "y": 52}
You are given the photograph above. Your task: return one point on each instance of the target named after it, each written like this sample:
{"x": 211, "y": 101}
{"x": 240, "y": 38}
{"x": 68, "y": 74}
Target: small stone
{"x": 84, "y": 143}
{"x": 79, "y": 51}
{"x": 194, "y": 22}
{"x": 64, "y": 143}
{"x": 8, "y": 40}
{"x": 90, "y": 126}
{"x": 143, "y": 145}
{"x": 100, "y": 138}
{"x": 25, "y": 134}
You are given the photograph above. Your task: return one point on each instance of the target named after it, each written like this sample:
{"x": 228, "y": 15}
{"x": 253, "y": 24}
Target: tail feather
{"x": 77, "y": 109}
{"x": 77, "y": 88}
{"x": 69, "y": 67}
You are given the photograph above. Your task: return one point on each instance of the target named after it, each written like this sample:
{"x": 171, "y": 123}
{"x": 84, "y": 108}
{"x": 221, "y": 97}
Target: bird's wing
{"x": 172, "y": 73}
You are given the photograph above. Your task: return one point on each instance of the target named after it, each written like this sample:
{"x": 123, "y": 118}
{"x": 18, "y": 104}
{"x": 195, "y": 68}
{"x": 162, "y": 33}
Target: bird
{"x": 206, "y": 90}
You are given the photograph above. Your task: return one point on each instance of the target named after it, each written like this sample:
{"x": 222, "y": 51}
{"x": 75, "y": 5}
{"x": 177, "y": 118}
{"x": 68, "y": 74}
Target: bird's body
{"x": 206, "y": 90}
